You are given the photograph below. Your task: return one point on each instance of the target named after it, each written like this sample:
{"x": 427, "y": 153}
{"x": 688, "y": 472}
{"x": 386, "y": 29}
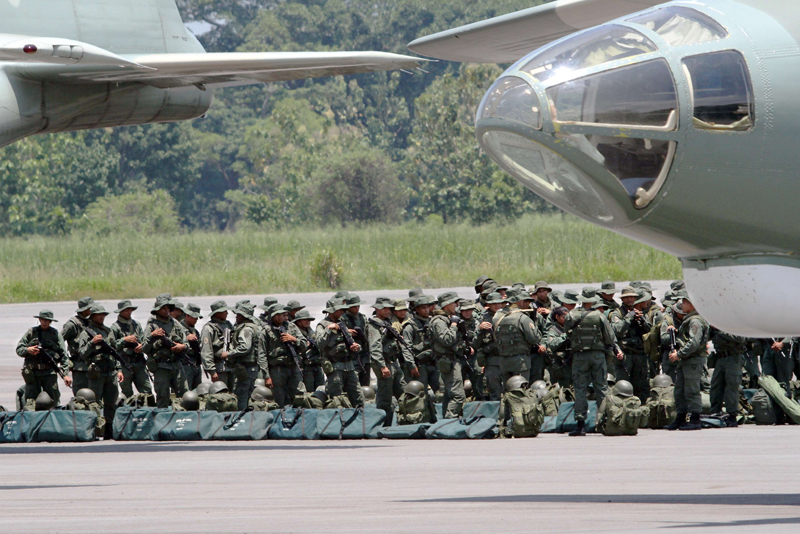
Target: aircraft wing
{"x": 510, "y": 37}
{"x": 225, "y": 69}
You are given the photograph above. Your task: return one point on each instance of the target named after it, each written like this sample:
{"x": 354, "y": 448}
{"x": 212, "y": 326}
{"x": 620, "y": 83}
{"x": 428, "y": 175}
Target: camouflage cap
{"x": 47, "y": 315}
{"x": 330, "y": 306}
{"x": 219, "y": 306}
{"x": 268, "y": 302}
{"x": 125, "y": 305}
{"x": 588, "y": 296}
{"x": 495, "y": 298}
{"x": 628, "y": 291}
{"x": 678, "y": 308}
{"x": 303, "y": 315}
{"x": 400, "y": 305}
{"x": 424, "y": 300}
{"x": 681, "y": 294}
{"x": 161, "y": 301}
{"x": 193, "y": 310}
{"x": 382, "y": 303}
{"x": 413, "y": 294}
{"x": 642, "y": 295}
{"x": 541, "y": 285}
{"x": 468, "y": 304}
{"x": 669, "y": 298}
{"x": 447, "y": 298}
{"x": 518, "y": 285}
{"x": 570, "y": 296}
{"x": 636, "y": 284}
{"x": 97, "y": 309}
{"x": 84, "y": 304}
{"x": 600, "y": 304}
{"x": 677, "y": 285}
{"x": 481, "y": 280}
{"x": 555, "y": 296}
{"x": 353, "y": 300}
{"x": 175, "y": 303}
{"x": 245, "y": 309}
{"x": 294, "y": 305}
{"x": 607, "y": 288}
{"x": 275, "y": 309}
{"x": 341, "y": 295}
{"x": 341, "y": 304}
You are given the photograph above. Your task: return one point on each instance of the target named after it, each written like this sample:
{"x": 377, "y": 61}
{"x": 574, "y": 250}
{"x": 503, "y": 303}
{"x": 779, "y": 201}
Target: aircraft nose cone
{"x": 512, "y": 99}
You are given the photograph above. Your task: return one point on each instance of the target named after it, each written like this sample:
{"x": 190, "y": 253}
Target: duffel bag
{"x": 490, "y": 409}
{"x": 185, "y": 426}
{"x": 350, "y": 423}
{"x": 779, "y": 396}
{"x": 136, "y": 424}
{"x": 61, "y": 426}
{"x": 477, "y": 428}
{"x": 294, "y": 423}
{"x": 13, "y": 426}
{"x": 566, "y": 422}
{"x": 763, "y": 410}
{"x": 248, "y": 425}
{"x": 549, "y": 424}
{"x": 417, "y": 431}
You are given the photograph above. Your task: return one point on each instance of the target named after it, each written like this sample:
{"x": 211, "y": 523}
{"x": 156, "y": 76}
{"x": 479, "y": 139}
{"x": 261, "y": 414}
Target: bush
{"x": 133, "y": 213}
{"x": 326, "y": 270}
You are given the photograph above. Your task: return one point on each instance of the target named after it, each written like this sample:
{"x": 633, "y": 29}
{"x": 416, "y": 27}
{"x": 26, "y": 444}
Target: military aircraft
{"x": 78, "y": 64}
{"x": 674, "y": 124}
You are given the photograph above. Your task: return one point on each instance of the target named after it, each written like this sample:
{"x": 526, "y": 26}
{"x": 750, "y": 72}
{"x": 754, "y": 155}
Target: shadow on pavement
{"x": 742, "y": 523}
{"x": 738, "y": 499}
{"x": 149, "y": 446}
{"x": 53, "y": 486}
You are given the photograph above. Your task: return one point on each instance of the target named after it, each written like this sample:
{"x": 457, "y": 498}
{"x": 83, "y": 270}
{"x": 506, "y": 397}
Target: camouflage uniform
{"x": 781, "y": 364}
{"x": 313, "y": 377}
{"x": 139, "y": 377}
{"x": 193, "y": 354}
{"x": 213, "y": 345}
{"x": 70, "y": 332}
{"x": 517, "y": 339}
{"x": 415, "y": 332}
{"x": 485, "y": 346}
{"x": 692, "y": 351}
{"x": 727, "y": 378}
{"x": 634, "y": 367}
{"x": 555, "y": 340}
{"x": 337, "y": 362}
{"x": 162, "y": 362}
{"x": 38, "y": 375}
{"x": 287, "y": 378}
{"x": 103, "y": 368}
{"x": 387, "y": 352}
{"x": 446, "y": 344}
{"x": 358, "y": 322}
{"x": 246, "y": 357}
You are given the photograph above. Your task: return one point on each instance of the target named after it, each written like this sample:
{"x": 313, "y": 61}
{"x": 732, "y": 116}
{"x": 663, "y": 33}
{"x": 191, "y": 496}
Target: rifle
{"x": 466, "y": 354}
{"x": 672, "y": 344}
{"x": 108, "y": 349}
{"x": 283, "y": 330}
{"x": 48, "y": 358}
{"x": 776, "y": 340}
{"x": 348, "y": 339}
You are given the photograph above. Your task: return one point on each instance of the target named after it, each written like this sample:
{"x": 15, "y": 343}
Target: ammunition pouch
{"x": 94, "y": 372}
{"x": 27, "y": 375}
{"x": 240, "y": 372}
{"x": 444, "y": 364}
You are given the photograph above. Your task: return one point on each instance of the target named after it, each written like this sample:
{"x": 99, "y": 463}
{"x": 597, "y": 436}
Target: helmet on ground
{"x": 623, "y": 388}
{"x": 516, "y": 382}
{"x": 203, "y": 388}
{"x": 539, "y": 384}
{"x": 662, "y": 381}
{"x": 415, "y": 387}
{"x": 374, "y": 384}
{"x": 217, "y": 387}
{"x": 44, "y": 402}
{"x": 86, "y": 394}
{"x": 369, "y": 393}
{"x": 321, "y": 395}
{"x": 262, "y": 393}
{"x": 541, "y": 393}
{"x": 611, "y": 379}
{"x": 190, "y": 401}
{"x": 467, "y": 387}
{"x": 260, "y": 382}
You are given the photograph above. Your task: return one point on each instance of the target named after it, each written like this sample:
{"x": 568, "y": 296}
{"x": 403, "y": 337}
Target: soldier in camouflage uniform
{"x": 591, "y": 340}
{"x": 337, "y": 357}
{"x": 70, "y": 332}
{"x": 690, "y": 358}
{"x": 447, "y": 343}
{"x": 555, "y": 340}
{"x": 727, "y": 379}
{"x": 416, "y": 335}
{"x": 104, "y": 370}
{"x": 355, "y": 320}
{"x": 128, "y": 337}
{"x": 606, "y": 292}
{"x": 313, "y": 377}
{"x": 630, "y": 324}
{"x": 38, "y": 374}
{"x": 671, "y": 323}
{"x": 472, "y": 372}
{"x": 752, "y": 358}
{"x": 246, "y": 356}
{"x": 284, "y": 371}
{"x": 216, "y": 345}
{"x": 193, "y": 370}
{"x": 399, "y": 314}
{"x": 292, "y": 308}
{"x": 160, "y": 332}
{"x": 387, "y": 353}
{"x": 485, "y": 345}
{"x": 517, "y": 340}
{"x": 780, "y": 359}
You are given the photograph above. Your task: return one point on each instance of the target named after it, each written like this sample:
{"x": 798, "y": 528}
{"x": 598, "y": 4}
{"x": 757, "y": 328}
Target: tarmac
{"x": 711, "y": 481}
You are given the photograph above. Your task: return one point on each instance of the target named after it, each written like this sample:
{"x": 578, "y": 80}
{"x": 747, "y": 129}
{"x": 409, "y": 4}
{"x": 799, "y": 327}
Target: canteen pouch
{"x": 444, "y": 365}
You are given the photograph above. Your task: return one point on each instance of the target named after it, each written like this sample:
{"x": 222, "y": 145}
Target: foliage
{"x": 136, "y": 213}
{"x": 326, "y": 269}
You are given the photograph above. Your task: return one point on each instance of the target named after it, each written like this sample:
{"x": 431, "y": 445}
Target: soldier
{"x": 517, "y": 340}
{"x": 485, "y": 346}
{"x": 669, "y": 331}
{"x": 752, "y": 358}
{"x": 70, "y": 332}
{"x": 690, "y": 358}
{"x": 283, "y": 342}
{"x": 216, "y": 344}
{"x": 447, "y": 342}
{"x": 176, "y": 310}
{"x": 164, "y": 340}
{"x": 591, "y": 340}
{"x": 313, "y": 377}
{"x": 606, "y": 293}
{"x": 473, "y": 371}
{"x": 193, "y": 354}
{"x": 541, "y": 294}
{"x": 779, "y": 359}
{"x": 292, "y": 307}
{"x": 357, "y": 321}
{"x": 555, "y": 340}
{"x": 479, "y": 284}
{"x": 630, "y": 324}
{"x": 399, "y": 314}
{"x": 727, "y": 377}
{"x": 386, "y": 353}
{"x": 337, "y": 356}
{"x": 245, "y": 358}
{"x": 38, "y": 371}
{"x": 128, "y": 336}
{"x": 416, "y": 335}
{"x": 104, "y": 370}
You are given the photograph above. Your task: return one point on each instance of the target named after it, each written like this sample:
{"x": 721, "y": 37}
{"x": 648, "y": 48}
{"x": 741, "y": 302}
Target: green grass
{"x": 552, "y": 248}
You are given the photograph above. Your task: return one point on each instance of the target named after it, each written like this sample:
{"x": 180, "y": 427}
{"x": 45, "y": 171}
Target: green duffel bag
{"x": 263, "y": 406}
{"x": 549, "y": 424}
{"x": 222, "y": 402}
{"x": 82, "y": 404}
{"x": 13, "y": 426}
{"x": 621, "y": 416}
{"x": 415, "y": 410}
{"x": 185, "y": 426}
{"x": 417, "y": 431}
{"x": 790, "y": 407}
{"x": 248, "y": 425}
{"x": 521, "y": 414}
{"x": 661, "y": 406}
{"x": 350, "y": 423}
{"x": 62, "y": 426}
{"x": 763, "y": 410}
{"x": 477, "y": 428}
{"x": 136, "y": 424}
{"x": 565, "y": 420}
{"x": 294, "y": 423}
{"x": 490, "y": 409}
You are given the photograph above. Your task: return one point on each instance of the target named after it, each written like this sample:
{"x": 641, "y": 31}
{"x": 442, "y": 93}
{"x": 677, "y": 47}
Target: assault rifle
{"x": 348, "y": 339}
{"x": 290, "y": 347}
{"x": 466, "y": 354}
{"x": 195, "y": 345}
{"x": 185, "y": 358}
{"x": 111, "y": 351}
{"x": 48, "y": 359}
{"x": 672, "y": 343}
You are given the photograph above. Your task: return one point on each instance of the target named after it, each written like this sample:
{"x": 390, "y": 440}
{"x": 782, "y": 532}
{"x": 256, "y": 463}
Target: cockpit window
{"x": 682, "y": 26}
{"x": 641, "y": 95}
{"x": 513, "y": 99}
{"x": 722, "y": 91}
{"x": 589, "y": 49}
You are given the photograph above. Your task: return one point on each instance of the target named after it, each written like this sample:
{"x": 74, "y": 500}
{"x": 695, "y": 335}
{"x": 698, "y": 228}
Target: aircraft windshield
{"x": 682, "y": 26}
{"x": 721, "y": 90}
{"x": 640, "y": 95}
{"x": 589, "y": 49}
{"x": 513, "y": 99}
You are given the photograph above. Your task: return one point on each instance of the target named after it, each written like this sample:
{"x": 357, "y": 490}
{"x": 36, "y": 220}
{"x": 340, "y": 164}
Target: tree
{"x": 138, "y": 212}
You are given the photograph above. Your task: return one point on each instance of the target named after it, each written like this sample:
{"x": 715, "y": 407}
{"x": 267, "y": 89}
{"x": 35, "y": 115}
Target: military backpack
{"x": 82, "y": 404}
{"x": 662, "y": 407}
{"x": 413, "y": 410}
{"x": 521, "y": 414}
{"x": 339, "y": 401}
{"x": 222, "y": 402}
{"x": 621, "y": 416}
{"x": 262, "y": 405}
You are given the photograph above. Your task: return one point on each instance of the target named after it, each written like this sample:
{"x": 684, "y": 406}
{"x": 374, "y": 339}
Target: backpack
{"x": 222, "y": 402}
{"x": 413, "y": 410}
{"x": 84, "y": 405}
{"x": 140, "y": 400}
{"x": 339, "y": 401}
{"x": 307, "y": 400}
{"x": 521, "y": 415}
{"x": 662, "y": 407}
{"x": 620, "y": 416}
{"x": 763, "y": 410}
{"x": 262, "y": 406}
{"x": 651, "y": 342}
{"x": 552, "y": 400}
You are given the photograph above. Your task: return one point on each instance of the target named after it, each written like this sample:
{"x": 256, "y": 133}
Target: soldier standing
{"x": 128, "y": 336}
{"x": 245, "y": 357}
{"x": 313, "y": 377}
{"x": 555, "y": 340}
{"x": 517, "y": 339}
{"x": 446, "y": 343}
{"x": 193, "y": 354}
{"x": 216, "y": 344}
{"x": 357, "y": 321}
{"x": 472, "y": 372}
{"x": 292, "y": 308}
{"x": 164, "y": 340}
{"x": 630, "y": 324}
{"x": 416, "y": 335}
{"x": 727, "y": 377}
{"x": 485, "y": 346}
{"x": 285, "y": 372}
{"x": 338, "y": 355}
{"x": 70, "y": 332}
{"x": 606, "y": 293}
{"x": 38, "y": 372}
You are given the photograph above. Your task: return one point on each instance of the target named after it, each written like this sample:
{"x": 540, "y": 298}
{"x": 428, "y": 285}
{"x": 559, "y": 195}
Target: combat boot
{"x": 676, "y": 424}
{"x": 580, "y": 430}
{"x": 731, "y": 421}
{"x": 693, "y": 423}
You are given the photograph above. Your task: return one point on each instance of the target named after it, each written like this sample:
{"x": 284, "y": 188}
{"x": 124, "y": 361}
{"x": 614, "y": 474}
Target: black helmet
{"x": 539, "y": 384}
{"x": 190, "y": 401}
{"x": 262, "y": 393}
{"x": 516, "y": 382}
{"x": 416, "y": 388}
{"x": 260, "y": 382}
{"x": 321, "y": 395}
{"x": 662, "y": 381}
{"x": 623, "y": 388}
{"x": 218, "y": 386}
{"x": 44, "y": 402}
{"x": 86, "y": 394}
{"x": 369, "y": 393}
{"x": 203, "y": 388}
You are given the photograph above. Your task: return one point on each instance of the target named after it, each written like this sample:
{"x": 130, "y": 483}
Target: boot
{"x": 693, "y": 423}
{"x": 580, "y": 431}
{"x": 731, "y": 422}
{"x": 676, "y": 424}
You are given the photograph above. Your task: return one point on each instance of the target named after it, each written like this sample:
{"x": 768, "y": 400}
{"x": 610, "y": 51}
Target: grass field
{"x": 551, "y": 248}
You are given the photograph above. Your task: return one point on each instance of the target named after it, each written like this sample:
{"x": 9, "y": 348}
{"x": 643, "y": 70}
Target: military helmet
{"x": 86, "y": 394}
{"x": 262, "y": 393}
{"x": 539, "y": 384}
{"x": 373, "y": 384}
{"x": 610, "y": 379}
{"x": 190, "y": 401}
{"x": 623, "y": 388}
{"x": 516, "y": 382}
{"x": 369, "y": 393}
{"x": 415, "y": 387}
{"x": 44, "y": 402}
{"x": 467, "y": 387}
{"x": 217, "y": 387}
{"x": 541, "y": 392}
{"x": 260, "y": 382}
{"x": 203, "y": 388}
{"x": 321, "y": 395}
{"x": 662, "y": 381}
